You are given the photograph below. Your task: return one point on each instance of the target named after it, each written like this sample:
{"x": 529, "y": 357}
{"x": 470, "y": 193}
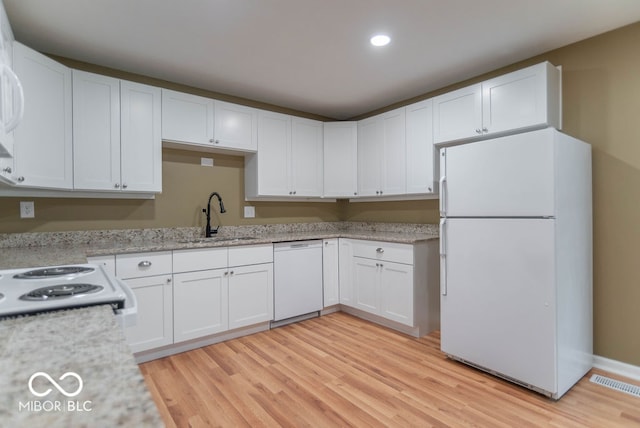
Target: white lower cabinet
{"x": 250, "y": 294}
{"x": 149, "y": 276}
{"x": 345, "y": 271}
{"x": 154, "y": 323}
{"x": 384, "y": 288}
{"x": 200, "y": 304}
{"x": 330, "y": 272}
{"x": 393, "y": 282}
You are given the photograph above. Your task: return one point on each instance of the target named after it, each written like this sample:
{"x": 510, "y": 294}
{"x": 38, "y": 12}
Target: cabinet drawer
{"x": 250, "y": 255}
{"x": 199, "y": 259}
{"x": 388, "y": 251}
{"x": 143, "y": 264}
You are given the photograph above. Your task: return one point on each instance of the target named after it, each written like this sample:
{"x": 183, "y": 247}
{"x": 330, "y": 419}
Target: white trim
{"x": 616, "y": 367}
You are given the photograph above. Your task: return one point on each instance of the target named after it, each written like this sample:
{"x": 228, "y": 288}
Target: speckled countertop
{"x": 48, "y": 249}
{"x": 87, "y": 342}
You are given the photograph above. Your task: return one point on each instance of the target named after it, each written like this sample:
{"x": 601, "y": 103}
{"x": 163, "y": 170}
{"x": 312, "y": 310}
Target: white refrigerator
{"x": 516, "y": 258}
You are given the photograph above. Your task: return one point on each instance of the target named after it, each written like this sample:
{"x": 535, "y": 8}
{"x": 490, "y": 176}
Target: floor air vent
{"x": 616, "y": 384}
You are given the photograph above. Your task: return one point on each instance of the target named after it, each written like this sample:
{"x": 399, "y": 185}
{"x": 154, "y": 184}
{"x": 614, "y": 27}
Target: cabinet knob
{"x": 377, "y": 192}
{"x": 478, "y": 131}
{"x": 379, "y": 250}
{"x": 124, "y": 185}
{"x": 7, "y": 170}
{"x": 355, "y": 193}
{"x": 117, "y": 185}
{"x": 226, "y": 274}
{"x": 429, "y": 188}
{"x": 168, "y": 280}
{"x": 294, "y": 192}
{"x": 291, "y": 193}
{"x": 485, "y": 130}
{"x": 20, "y": 179}
{"x": 211, "y": 140}
{"x": 214, "y": 141}
{"x": 144, "y": 264}
{"x": 231, "y": 273}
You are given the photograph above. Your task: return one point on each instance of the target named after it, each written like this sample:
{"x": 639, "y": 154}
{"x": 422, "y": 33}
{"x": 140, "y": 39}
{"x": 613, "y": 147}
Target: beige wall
{"x": 601, "y": 106}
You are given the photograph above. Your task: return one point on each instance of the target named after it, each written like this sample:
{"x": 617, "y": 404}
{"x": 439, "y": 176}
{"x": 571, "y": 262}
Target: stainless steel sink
{"x": 217, "y": 239}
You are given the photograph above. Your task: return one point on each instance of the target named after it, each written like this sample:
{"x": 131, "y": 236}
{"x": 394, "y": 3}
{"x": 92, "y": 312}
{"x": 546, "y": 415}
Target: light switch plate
{"x": 249, "y": 212}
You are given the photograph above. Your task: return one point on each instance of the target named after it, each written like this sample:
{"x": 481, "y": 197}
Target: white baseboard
{"x": 617, "y": 367}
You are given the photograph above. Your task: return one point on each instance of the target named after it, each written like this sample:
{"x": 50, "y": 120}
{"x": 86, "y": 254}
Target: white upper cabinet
{"x": 116, "y": 134}
{"x": 306, "y": 157}
{"x": 340, "y": 162}
{"x": 43, "y": 149}
{"x": 11, "y": 95}
{"x": 289, "y": 158}
{"x": 382, "y": 154}
{"x": 236, "y": 126}
{"x": 267, "y": 172}
{"x": 525, "y": 99}
{"x": 421, "y": 160}
{"x": 141, "y": 142}
{"x": 96, "y": 131}
{"x": 193, "y": 119}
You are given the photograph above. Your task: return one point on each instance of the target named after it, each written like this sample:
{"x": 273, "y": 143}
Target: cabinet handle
{"x": 379, "y": 250}
{"x": 478, "y": 131}
{"x": 144, "y": 263}
{"x": 18, "y": 92}
{"x": 117, "y": 185}
{"x": 124, "y": 185}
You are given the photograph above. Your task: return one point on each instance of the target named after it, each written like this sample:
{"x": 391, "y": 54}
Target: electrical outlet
{"x": 249, "y": 212}
{"x": 206, "y": 161}
{"x": 27, "y": 209}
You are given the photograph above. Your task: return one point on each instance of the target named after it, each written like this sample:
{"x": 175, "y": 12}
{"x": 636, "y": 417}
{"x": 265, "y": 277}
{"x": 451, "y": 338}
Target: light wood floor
{"x": 338, "y": 370}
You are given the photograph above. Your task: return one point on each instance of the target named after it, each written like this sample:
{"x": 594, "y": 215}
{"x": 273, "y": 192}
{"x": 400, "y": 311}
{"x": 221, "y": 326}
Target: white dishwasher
{"x": 297, "y": 280}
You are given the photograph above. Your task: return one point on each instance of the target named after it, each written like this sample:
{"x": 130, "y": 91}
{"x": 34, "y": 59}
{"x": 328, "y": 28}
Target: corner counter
{"x": 37, "y": 351}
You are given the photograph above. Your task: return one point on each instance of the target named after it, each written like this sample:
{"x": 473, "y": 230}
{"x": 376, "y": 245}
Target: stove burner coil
{"x": 60, "y": 291}
{"x": 53, "y": 272}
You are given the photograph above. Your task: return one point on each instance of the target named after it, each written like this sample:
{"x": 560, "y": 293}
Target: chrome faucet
{"x": 207, "y": 211}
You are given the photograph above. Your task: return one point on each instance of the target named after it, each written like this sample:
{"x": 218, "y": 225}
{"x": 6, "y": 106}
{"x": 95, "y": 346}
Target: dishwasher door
{"x": 297, "y": 270}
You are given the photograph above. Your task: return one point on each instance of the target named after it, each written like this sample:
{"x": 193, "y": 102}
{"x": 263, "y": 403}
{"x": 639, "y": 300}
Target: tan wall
{"x": 601, "y": 106}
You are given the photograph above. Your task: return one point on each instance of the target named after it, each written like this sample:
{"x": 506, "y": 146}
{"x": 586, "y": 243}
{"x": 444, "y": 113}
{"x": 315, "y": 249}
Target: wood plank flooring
{"x": 339, "y": 371}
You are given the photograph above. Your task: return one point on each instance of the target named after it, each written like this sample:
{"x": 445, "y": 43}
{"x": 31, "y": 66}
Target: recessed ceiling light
{"x": 380, "y": 40}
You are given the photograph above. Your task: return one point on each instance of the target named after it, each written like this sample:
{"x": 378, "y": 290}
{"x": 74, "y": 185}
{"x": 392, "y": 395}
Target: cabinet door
{"x": 141, "y": 161}
{"x": 200, "y": 304}
{"x": 274, "y": 151}
{"x": 457, "y": 115}
{"x": 518, "y": 100}
{"x": 421, "y": 174}
{"x": 250, "y": 295}
{"x": 340, "y": 165}
{"x": 236, "y": 127}
{"x": 369, "y": 156}
{"x": 306, "y": 157}
{"x": 345, "y": 271}
{"x": 43, "y": 141}
{"x": 396, "y": 292}
{"x": 187, "y": 118}
{"x": 366, "y": 280}
{"x": 154, "y": 323}
{"x": 330, "y": 276}
{"x": 96, "y": 131}
{"x": 394, "y": 152}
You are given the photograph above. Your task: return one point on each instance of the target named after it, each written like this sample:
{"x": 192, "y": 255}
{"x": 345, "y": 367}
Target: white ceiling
{"x": 311, "y": 55}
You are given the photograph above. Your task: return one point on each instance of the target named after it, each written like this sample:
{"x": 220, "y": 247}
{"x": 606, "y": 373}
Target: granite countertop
{"x": 87, "y": 342}
{"x": 75, "y": 248}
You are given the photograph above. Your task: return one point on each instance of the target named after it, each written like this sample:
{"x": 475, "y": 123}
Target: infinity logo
{"x": 54, "y": 383}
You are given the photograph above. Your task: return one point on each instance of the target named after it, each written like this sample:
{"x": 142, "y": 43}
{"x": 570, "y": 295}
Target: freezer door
{"x": 499, "y": 308}
{"x": 511, "y": 176}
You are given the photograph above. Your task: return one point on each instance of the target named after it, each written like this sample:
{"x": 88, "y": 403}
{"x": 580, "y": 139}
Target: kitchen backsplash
{"x": 98, "y": 237}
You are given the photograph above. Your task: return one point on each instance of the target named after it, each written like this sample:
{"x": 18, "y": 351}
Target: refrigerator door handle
{"x": 443, "y": 196}
{"x": 443, "y": 257}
